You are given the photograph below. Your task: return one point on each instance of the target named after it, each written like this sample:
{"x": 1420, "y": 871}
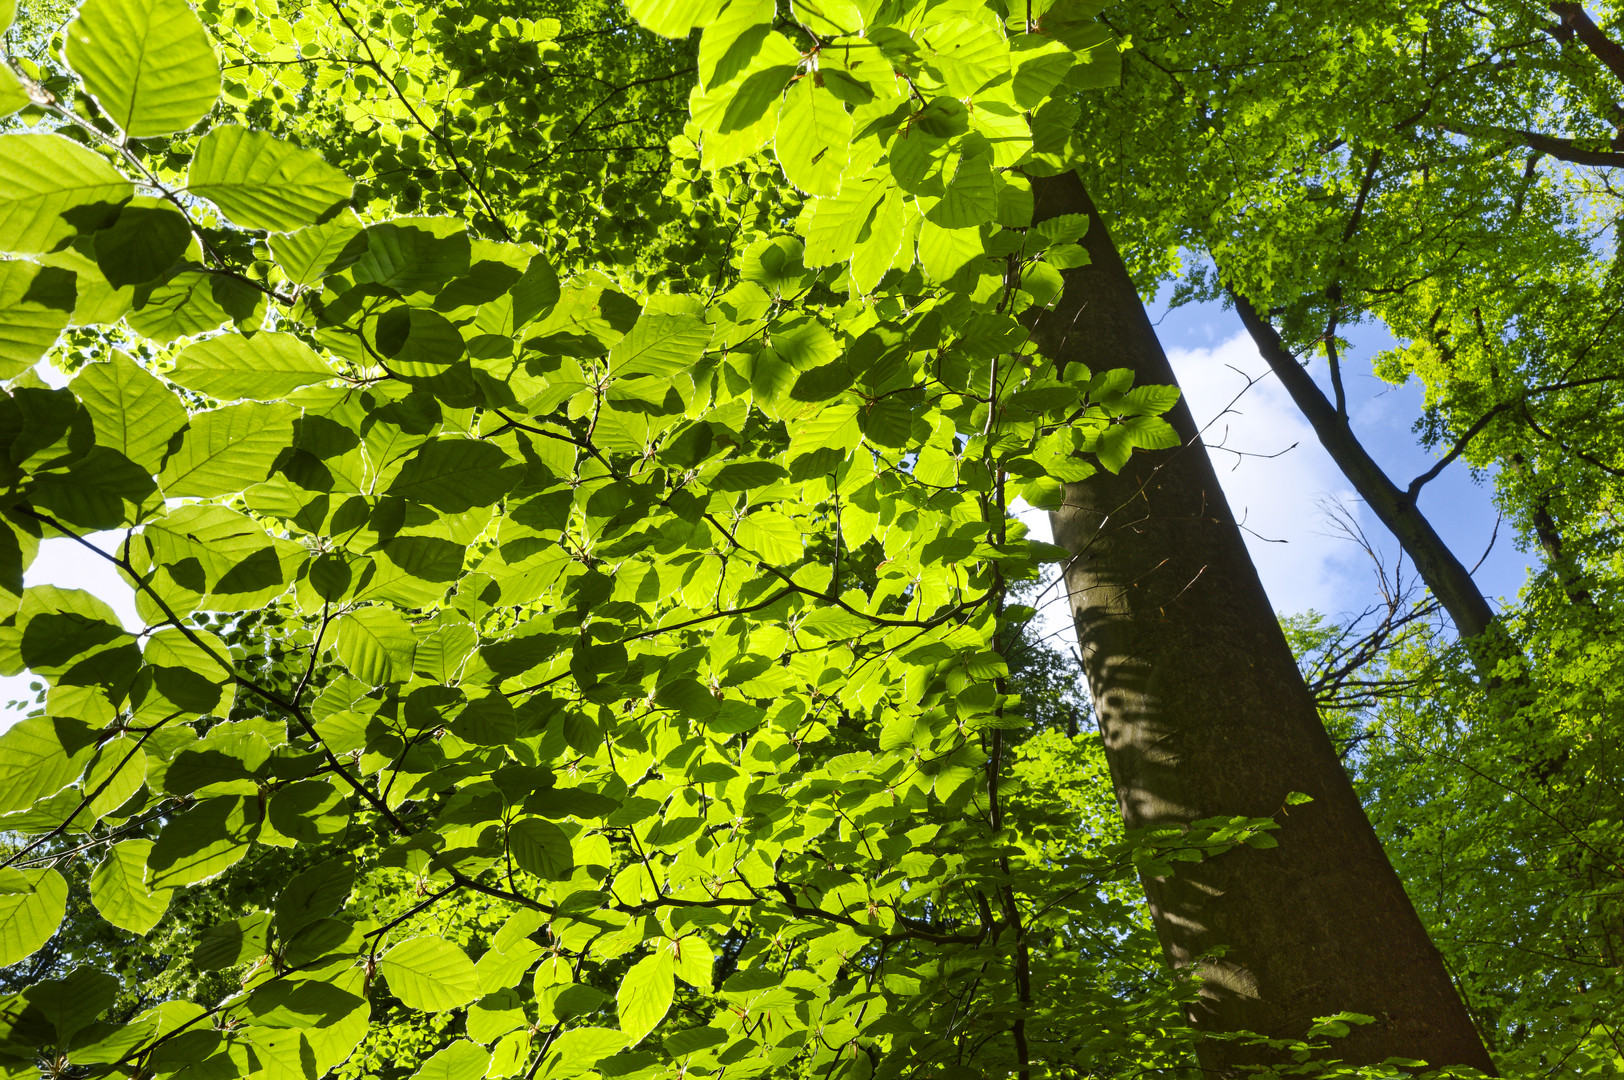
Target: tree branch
{"x": 1575, "y": 23}
{"x": 1444, "y": 574}
{"x": 1563, "y": 149}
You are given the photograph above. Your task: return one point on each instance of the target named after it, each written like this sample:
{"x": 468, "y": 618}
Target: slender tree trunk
{"x": 1204, "y": 714}
{"x": 1550, "y": 541}
{"x": 1444, "y": 574}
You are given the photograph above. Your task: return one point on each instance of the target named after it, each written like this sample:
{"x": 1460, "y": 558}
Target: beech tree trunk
{"x": 1204, "y": 714}
{"x": 1444, "y": 574}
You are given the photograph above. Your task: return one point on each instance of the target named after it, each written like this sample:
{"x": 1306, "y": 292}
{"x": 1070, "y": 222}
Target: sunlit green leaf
{"x": 149, "y": 63}
{"x": 429, "y": 973}
{"x": 262, "y": 182}
{"x": 51, "y": 189}
{"x": 265, "y": 367}
{"x": 145, "y": 242}
{"x": 36, "y": 303}
{"x": 375, "y": 643}
{"x": 119, "y": 891}
{"x": 646, "y": 994}
{"x": 32, "y": 903}
{"x": 227, "y": 449}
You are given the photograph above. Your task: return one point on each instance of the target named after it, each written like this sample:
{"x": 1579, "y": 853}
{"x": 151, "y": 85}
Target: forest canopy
{"x": 565, "y": 457}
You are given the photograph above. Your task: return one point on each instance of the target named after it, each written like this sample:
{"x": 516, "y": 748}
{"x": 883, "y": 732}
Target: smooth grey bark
{"x": 1204, "y": 714}
{"x": 1444, "y": 574}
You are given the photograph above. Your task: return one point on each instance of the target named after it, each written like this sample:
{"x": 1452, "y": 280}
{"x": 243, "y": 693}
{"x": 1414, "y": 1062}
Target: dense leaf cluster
{"x": 540, "y": 670}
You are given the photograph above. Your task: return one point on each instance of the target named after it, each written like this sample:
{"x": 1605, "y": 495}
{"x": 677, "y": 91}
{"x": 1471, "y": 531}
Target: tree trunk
{"x": 1562, "y": 563}
{"x": 1204, "y": 714}
{"x": 1444, "y": 574}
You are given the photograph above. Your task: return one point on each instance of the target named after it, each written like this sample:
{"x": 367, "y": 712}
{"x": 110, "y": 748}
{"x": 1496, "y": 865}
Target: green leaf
{"x": 411, "y": 255}
{"x": 745, "y": 475}
{"x": 71, "y": 637}
{"x": 772, "y": 536}
{"x": 462, "y": 1060}
{"x": 673, "y": 18}
{"x": 1042, "y": 282}
{"x": 837, "y": 222}
{"x": 440, "y": 656}
{"x": 486, "y": 721}
{"x": 536, "y": 291}
{"x": 660, "y": 345}
{"x": 805, "y": 345}
{"x": 430, "y": 974}
{"x": 541, "y": 847}
{"x": 32, "y": 903}
{"x": 509, "y": 1055}
{"x": 944, "y": 252}
{"x": 577, "y": 1050}
{"x": 229, "y": 760}
{"x": 308, "y": 812}
{"x": 143, "y": 244}
{"x": 878, "y": 246}
{"x": 194, "y": 302}
{"x": 228, "y": 944}
{"x": 100, "y": 490}
{"x": 830, "y": 17}
{"x": 207, "y": 549}
{"x": 455, "y": 475}
{"x": 1040, "y": 63}
{"x": 776, "y": 263}
{"x": 52, "y": 189}
{"x": 375, "y": 643}
{"x": 13, "y": 95}
{"x": 313, "y": 894}
{"x": 943, "y": 117}
{"x": 813, "y": 142}
{"x": 1063, "y": 228}
{"x": 731, "y": 41}
{"x": 200, "y": 843}
{"x": 97, "y": 302}
{"x": 72, "y": 1003}
{"x": 119, "y": 891}
{"x": 117, "y": 771}
{"x": 418, "y": 342}
{"x": 1099, "y": 67}
{"x": 187, "y": 676}
{"x": 265, "y": 367}
{"x": 306, "y": 254}
{"x": 695, "y": 962}
{"x": 971, "y": 197}
{"x": 226, "y": 450}
{"x": 261, "y": 182}
{"x": 968, "y": 54}
{"x": 497, "y": 1013}
{"x": 646, "y": 993}
{"x": 36, "y": 303}
{"x": 132, "y": 411}
{"x": 33, "y": 763}
{"x": 149, "y": 63}
{"x": 332, "y": 938}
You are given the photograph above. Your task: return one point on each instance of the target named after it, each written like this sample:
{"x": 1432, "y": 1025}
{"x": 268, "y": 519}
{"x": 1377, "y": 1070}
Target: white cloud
{"x": 1277, "y": 478}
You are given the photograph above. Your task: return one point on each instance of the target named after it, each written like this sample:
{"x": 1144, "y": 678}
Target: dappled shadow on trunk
{"x": 1204, "y": 714}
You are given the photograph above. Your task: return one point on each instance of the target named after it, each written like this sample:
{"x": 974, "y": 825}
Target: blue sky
{"x": 1303, "y": 559}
